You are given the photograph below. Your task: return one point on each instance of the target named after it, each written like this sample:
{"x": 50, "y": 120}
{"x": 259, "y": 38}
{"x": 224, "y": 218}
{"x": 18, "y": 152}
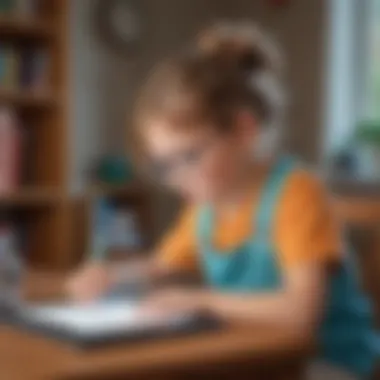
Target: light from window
{"x": 373, "y": 79}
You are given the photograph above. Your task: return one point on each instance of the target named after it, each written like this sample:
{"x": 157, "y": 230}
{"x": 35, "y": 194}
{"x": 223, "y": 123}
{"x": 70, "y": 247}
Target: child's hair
{"x": 232, "y": 66}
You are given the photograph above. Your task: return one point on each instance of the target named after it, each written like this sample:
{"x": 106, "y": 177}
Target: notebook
{"x": 90, "y": 319}
{"x": 107, "y": 322}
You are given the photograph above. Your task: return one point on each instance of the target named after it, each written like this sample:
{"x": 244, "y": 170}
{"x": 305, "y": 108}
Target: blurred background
{"x": 69, "y": 71}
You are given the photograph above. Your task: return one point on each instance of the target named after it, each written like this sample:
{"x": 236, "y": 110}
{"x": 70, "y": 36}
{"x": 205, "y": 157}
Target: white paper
{"x": 96, "y": 318}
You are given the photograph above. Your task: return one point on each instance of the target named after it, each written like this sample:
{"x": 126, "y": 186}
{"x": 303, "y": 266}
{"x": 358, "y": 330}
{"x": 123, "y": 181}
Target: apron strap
{"x": 263, "y": 218}
{"x": 204, "y": 225}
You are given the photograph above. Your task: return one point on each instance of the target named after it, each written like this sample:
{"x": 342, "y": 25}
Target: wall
{"x": 103, "y": 81}
{"x": 100, "y": 82}
{"x": 301, "y": 31}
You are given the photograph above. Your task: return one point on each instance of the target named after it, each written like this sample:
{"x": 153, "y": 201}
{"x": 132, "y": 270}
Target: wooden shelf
{"x": 13, "y": 26}
{"x": 29, "y": 198}
{"x": 27, "y": 100}
{"x": 46, "y": 154}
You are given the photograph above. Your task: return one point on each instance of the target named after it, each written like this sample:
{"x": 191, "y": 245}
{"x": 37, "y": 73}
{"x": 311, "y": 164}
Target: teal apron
{"x": 346, "y": 336}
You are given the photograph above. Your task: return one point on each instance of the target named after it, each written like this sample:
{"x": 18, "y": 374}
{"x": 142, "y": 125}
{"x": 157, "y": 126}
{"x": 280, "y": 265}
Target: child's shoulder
{"x": 304, "y": 184}
{"x": 303, "y": 176}
{"x": 307, "y": 225}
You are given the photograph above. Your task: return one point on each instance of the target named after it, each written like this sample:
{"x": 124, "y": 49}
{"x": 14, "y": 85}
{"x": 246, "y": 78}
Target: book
{"x": 40, "y": 70}
{"x": 10, "y": 151}
{"x": 34, "y": 69}
{"x": 105, "y": 321}
{"x": 10, "y": 64}
{"x": 11, "y": 265}
{"x": 20, "y": 8}
{"x": 26, "y": 8}
{"x": 88, "y": 319}
{"x": 7, "y": 6}
{"x": 3, "y": 63}
{"x": 12, "y": 68}
{"x": 24, "y": 69}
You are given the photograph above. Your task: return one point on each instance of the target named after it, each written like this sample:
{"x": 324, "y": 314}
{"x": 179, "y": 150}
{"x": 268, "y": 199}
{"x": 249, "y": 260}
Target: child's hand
{"x": 89, "y": 282}
{"x": 176, "y": 300}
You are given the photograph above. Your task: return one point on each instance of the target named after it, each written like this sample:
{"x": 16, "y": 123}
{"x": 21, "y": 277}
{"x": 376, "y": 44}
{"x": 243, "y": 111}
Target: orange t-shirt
{"x": 304, "y": 227}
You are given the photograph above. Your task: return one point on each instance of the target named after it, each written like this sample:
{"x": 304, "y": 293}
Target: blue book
{"x": 103, "y": 214}
{"x": 26, "y": 71}
{"x": 2, "y": 65}
{"x": 26, "y": 8}
{"x": 7, "y": 6}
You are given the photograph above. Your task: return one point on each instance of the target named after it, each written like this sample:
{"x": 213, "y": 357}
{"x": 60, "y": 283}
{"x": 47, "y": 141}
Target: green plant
{"x": 368, "y": 132}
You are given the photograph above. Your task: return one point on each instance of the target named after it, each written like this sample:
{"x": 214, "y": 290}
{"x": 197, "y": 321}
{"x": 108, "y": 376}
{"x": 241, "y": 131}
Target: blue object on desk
{"x": 101, "y": 221}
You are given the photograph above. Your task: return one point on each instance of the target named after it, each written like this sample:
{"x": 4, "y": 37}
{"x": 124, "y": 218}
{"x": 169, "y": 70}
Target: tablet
{"x": 102, "y": 323}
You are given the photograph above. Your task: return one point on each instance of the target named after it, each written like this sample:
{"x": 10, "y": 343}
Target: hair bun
{"x": 243, "y": 44}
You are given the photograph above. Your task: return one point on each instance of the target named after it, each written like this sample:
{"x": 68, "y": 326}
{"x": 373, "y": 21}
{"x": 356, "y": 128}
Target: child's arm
{"x": 152, "y": 271}
{"x": 308, "y": 243}
{"x": 308, "y": 246}
{"x": 174, "y": 258}
{"x": 297, "y": 307}
{"x": 97, "y": 277}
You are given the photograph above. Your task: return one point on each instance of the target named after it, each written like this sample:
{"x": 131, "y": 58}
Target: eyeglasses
{"x": 183, "y": 162}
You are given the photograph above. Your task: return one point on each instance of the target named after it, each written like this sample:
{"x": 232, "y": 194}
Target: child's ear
{"x": 246, "y": 126}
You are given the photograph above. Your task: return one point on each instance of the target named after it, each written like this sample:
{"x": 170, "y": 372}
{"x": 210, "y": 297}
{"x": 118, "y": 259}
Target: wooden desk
{"x": 238, "y": 352}
{"x": 357, "y": 203}
{"x": 359, "y": 208}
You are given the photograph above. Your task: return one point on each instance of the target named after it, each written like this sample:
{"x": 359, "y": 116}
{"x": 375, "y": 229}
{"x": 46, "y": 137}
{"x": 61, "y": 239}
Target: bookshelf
{"x": 33, "y": 36}
{"x": 26, "y": 100}
{"x": 25, "y": 29}
{"x": 29, "y": 198}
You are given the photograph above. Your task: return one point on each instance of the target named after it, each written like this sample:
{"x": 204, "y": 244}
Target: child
{"x": 261, "y": 230}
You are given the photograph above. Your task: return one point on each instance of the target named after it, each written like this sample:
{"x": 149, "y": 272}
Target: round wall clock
{"x": 119, "y": 23}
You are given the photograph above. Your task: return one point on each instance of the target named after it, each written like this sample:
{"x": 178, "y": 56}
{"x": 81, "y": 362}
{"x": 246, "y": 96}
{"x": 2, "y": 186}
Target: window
{"x": 373, "y": 77}
{"x": 353, "y": 70}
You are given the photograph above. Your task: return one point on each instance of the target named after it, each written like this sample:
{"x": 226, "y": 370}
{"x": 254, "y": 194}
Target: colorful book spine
{"x": 34, "y": 68}
{"x": 11, "y": 266}
{"x": 10, "y": 63}
{"x": 39, "y": 78}
{"x": 24, "y": 69}
{"x": 20, "y": 8}
{"x": 7, "y": 6}
{"x": 13, "y": 68}
{"x": 3, "y": 64}
{"x": 10, "y": 152}
{"x": 26, "y": 8}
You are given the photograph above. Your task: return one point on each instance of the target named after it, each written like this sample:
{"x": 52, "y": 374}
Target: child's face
{"x": 201, "y": 165}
